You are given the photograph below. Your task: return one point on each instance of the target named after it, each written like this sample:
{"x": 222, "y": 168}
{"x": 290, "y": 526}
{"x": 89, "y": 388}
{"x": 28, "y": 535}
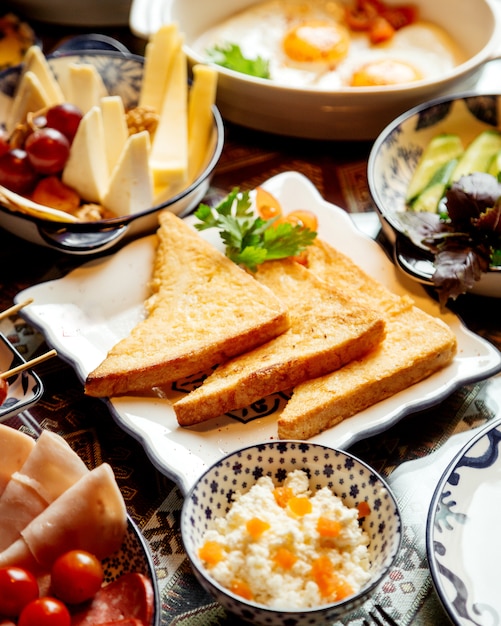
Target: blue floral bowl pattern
{"x": 24, "y": 388}
{"x": 347, "y": 476}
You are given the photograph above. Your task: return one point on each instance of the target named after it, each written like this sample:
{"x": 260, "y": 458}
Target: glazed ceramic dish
{"x": 134, "y": 556}
{"x": 345, "y": 113}
{"x": 394, "y": 157}
{"x": 24, "y": 388}
{"x": 462, "y": 538}
{"x": 348, "y": 478}
{"x": 122, "y": 75}
{"x": 85, "y": 313}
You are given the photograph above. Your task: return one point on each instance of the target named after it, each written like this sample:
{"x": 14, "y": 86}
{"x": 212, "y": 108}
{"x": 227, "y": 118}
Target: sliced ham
{"x": 90, "y": 515}
{"x": 15, "y": 447}
{"x": 49, "y": 470}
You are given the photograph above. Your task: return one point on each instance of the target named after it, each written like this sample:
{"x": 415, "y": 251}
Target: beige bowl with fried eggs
{"x": 445, "y": 52}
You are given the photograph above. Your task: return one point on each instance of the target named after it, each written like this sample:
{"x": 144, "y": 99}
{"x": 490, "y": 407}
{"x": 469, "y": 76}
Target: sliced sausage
{"x": 128, "y": 597}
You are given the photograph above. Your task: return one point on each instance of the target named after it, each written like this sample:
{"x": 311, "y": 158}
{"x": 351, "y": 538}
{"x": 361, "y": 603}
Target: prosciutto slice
{"x": 90, "y": 515}
{"x": 48, "y": 471}
{"x": 15, "y": 447}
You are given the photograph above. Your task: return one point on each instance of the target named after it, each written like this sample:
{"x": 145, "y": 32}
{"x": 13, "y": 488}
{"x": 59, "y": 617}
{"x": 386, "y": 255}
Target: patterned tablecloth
{"x": 412, "y": 454}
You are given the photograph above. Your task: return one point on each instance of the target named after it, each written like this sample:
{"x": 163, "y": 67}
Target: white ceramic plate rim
{"x": 86, "y": 312}
{"x": 461, "y": 592}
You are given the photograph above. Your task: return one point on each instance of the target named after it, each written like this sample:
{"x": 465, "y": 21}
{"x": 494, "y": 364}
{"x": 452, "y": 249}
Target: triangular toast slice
{"x": 203, "y": 310}
{"x": 327, "y": 330}
{"x": 416, "y": 345}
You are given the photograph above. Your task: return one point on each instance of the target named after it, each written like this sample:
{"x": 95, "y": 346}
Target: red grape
{"x": 16, "y": 171}
{"x": 48, "y": 150}
{"x": 65, "y": 118}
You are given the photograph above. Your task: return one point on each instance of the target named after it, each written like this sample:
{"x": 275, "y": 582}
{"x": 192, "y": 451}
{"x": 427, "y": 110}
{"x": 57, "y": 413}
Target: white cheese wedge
{"x": 87, "y": 167}
{"x": 160, "y": 52}
{"x": 30, "y": 96}
{"x": 131, "y": 184}
{"x": 115, "y": 128}
{"x": 169, "y": 151}
{"x": 35, "y": 61}
{"x": 200, "y": 119}
{"x": 84, "y": 86}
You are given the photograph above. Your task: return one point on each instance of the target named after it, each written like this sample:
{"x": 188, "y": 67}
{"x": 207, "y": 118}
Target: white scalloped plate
{"x": 85, "y": 313}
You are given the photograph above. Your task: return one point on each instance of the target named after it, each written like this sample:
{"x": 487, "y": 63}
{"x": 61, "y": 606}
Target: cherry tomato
{"x": 45, "y": 611}
{"x": 65, "y": 118}
{"x": 16, "y": 171}
{"x": 76, "y": 576}
{"x": 300, "y": 217}
{"x": 18, "y": 587}
{"x": 266, "y": 204}
{"x": 48, "y": 150}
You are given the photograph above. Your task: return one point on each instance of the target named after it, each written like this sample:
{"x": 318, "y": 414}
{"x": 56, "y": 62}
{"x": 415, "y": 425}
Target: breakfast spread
{"x": 73, "y": 151}
{"x": 287, "y": 547}
{"x": 339, "y": 321}
{"x": 59, "y": 520}
{"x": 331, "y": 45}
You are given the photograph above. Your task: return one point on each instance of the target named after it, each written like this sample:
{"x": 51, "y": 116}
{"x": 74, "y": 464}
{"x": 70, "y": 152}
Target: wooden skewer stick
{"x": 28, "y": 364}
{"x": 15, "y": 308}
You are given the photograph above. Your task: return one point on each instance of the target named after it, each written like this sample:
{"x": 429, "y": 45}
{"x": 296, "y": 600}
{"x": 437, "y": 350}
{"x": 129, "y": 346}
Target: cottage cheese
{"x": 249, "y": 559}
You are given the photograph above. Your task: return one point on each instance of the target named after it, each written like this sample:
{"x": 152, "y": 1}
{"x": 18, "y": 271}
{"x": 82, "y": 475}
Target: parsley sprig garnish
{"x": 249, "y": 239}
{"x": 230, "y": 56}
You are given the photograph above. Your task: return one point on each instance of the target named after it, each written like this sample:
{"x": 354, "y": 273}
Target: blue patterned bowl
{"x": 348, "y": 477}
{"x": 394, "y": 158}
{"x": 122, "y": 74}
{"x": 25, "y": 388}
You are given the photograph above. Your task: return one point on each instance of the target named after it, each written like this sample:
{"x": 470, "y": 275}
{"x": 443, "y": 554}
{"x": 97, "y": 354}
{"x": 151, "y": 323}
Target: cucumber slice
{"x": 495, "y": 164}
{"x": 478, "y": 155}
{"x": 441, "y": 149}
{"x": 429, "y": 198}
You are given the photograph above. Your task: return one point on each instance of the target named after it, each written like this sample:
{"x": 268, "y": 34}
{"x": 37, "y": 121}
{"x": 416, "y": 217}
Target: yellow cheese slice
{"x": 115, "y": 128}
{"x": 30, "y": 96}
{"x": 84, "y": 86}
{"x": 159, "y": 55}
{"x": 35, "y": 61}
{"x": 131, "y": 185}
{"x": 169, "y": 151}
{"x": 200, "y": 119}
{"x": 86, "y": 169}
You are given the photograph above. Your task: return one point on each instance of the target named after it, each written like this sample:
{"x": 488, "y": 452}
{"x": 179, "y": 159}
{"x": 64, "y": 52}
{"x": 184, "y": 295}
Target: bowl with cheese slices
{"x": 94, "y": 143}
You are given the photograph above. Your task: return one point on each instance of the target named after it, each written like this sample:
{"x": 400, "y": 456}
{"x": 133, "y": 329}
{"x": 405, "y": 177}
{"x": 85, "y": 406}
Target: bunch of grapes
{"x": 44, "y": 152}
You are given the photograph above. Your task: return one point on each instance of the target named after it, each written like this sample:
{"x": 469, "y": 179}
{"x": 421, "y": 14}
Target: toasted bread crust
{"x": 327, "y": 330}
{"x": 203, "y": 310}
{"x": 416, "y": 346}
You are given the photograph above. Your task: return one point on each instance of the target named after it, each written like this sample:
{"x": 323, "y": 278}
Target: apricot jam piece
{"x": 242, "y": 589}
{"x": 300, "y": 505}
{"x": 364, "y": 509}
{"x": 211, "y": 552}
{"x": 256, "y": 527}
{"x": 284, "y": 558}
{"x": 328, "y": 527}
{"x": 330, "y": 584}
{"x": 282, "y": 495}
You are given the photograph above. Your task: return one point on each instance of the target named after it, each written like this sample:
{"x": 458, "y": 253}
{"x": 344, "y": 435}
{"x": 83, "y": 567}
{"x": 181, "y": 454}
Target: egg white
{"x": 260, "y": 29}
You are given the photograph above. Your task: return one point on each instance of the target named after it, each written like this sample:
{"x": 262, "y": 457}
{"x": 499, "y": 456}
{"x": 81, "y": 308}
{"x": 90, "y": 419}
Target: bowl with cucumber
{"x": 435, "y": 178}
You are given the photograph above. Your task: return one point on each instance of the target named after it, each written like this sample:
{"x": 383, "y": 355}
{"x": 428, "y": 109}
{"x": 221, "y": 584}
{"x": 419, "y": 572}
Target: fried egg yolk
{"x": 385, "y": 72}
{"x": 317, "y": 41}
